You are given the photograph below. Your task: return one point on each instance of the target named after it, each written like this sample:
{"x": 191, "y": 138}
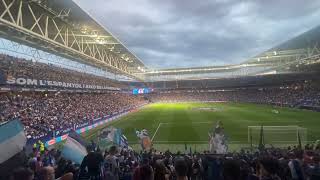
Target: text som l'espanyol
{"x": 36, "y": 82}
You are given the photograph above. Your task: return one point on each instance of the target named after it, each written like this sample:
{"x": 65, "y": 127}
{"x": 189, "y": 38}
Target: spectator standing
{"x": 111, "y": 164}
{"x": 91, "y": 166}
{"x": 181, "y": 169}
{"x": 23, "y": 174}
{"x": 268, "y": 168}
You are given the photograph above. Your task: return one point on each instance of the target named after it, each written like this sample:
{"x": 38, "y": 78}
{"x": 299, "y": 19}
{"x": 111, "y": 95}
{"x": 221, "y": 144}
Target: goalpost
{"x": 277, "y": 135}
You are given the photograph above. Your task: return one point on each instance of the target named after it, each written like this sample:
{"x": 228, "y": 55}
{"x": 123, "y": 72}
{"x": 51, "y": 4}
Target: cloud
{"x": 183, "y": 33}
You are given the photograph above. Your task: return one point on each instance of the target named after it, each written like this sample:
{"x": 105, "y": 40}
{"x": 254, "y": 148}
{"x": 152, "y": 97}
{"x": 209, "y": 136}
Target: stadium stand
{"x": 304, "y": 94}
{"x": 44, "y": 113}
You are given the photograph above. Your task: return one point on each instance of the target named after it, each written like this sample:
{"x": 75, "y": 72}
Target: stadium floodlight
{"x": 84, "y": 30}
{"x": 111, "y": 48}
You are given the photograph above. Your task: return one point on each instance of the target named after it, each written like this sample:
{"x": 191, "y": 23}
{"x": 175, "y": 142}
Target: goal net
{"x": 277, "y": 135}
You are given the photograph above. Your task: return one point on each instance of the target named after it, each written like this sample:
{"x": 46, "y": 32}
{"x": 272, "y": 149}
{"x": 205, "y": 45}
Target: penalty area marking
{"x": 159, "y": 125}
{"x": 154, "y": 135}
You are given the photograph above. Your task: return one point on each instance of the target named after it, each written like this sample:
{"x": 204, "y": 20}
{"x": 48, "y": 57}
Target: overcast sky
{"x": 184, "y": 33}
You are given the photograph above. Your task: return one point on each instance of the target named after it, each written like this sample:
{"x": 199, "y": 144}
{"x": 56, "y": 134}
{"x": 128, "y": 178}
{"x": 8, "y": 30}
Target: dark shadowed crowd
{"x": 122, "y": 164}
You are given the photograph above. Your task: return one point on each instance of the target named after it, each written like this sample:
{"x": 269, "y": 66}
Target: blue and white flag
{"x": 111, "y": 134}
{"x": 117, "y": 137}
{"x": 12, "y": 139}
{"x": 78, "y": 138}
{"x": 124, "y": 141}
{"x": 74, "y": 151}
{"x": 144, "y": 138}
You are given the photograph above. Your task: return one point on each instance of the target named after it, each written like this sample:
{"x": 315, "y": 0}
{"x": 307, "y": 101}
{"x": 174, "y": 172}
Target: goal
{"x": 277, "y": 135}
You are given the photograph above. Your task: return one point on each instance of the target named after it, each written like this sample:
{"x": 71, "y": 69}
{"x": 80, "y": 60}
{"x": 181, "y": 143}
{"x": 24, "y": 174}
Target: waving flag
{"x": 144, "y": 138}
{"x": 111, "y": 134}
{"x": 117, "y": 136}
{"x": 124, "y": 141}
{"x": 74, "y": 151}
{"x": 12, "y": 139}
{"x": 78, "y": 138}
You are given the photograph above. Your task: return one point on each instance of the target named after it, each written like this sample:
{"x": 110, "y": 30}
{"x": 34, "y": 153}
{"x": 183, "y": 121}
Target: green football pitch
{"x": 176, "y": 124}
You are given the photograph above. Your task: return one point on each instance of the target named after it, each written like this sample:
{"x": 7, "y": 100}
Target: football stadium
{"x": 170, "y": 90}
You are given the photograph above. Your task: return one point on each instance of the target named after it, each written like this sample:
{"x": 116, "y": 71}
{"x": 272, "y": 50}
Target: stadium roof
{"x": 90, "y": 27}
{"x": 27, "y": 22}
{"x": 61, "y": 27}
{"x": 303, "y": 49}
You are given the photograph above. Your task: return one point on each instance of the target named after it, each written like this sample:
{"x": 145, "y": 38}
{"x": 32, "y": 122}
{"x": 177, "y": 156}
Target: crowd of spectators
{"x": 43, "y": 113}
{"x": 122, "y": 164}
{"x": 294, "y": 95}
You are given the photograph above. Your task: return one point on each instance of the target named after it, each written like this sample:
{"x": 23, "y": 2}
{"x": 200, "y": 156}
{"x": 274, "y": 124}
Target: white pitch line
{"x": 206, "y": 142}
{"x": 156, "y": 131}
{"x": 180, "y": 141}
{"x": 205, "y": 122}
{"x": 231, "y": 142}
